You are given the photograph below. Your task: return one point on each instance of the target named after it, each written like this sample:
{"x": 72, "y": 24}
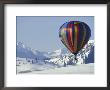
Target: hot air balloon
{"x": 74, "y": 35}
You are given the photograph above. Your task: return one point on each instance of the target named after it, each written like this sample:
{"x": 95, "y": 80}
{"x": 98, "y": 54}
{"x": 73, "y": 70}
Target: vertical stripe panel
{"x": 77, "y": 35}
{"x": 75, "y": 39}
{"x": 84, "y": 36}
{"x": 65, "y": 36}
{"x": 80, "y": 36}
{"x": 88, "y": 33}
{"x": 71, "y": 35}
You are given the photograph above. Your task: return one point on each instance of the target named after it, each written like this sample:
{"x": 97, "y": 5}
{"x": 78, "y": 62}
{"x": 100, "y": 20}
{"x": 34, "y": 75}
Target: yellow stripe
{"x": 75, "y": 40}
{"x": 71, "y": 36}
{"x": 65, "y": 39}
{"x": 70, "y": 30}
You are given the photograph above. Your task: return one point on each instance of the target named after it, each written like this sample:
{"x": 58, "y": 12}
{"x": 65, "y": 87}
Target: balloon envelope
{"x": 74, "y": 35}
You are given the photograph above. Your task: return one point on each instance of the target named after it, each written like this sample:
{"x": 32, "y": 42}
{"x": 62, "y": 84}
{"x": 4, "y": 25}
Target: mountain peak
{"x": 20, "y": 44}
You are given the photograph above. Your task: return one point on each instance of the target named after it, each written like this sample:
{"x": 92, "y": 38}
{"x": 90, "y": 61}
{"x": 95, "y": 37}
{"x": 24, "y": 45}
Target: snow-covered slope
{"x": 50, "y": 69}
{"x": 77, "y": 69}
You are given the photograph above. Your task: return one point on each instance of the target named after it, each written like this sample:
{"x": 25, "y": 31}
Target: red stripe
{"x": 69, "y": 38}
{"x": 67, "y": 41}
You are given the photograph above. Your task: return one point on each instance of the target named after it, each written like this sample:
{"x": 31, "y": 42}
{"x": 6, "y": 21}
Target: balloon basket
{"x": 75, "y": 58}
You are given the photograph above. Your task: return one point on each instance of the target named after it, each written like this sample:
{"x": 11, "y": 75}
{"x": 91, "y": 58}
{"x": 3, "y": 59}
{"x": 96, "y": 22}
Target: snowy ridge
{"x": 60, "y": 57}
{"x": 27, "y": 52}
{"x": 86, "y": 55}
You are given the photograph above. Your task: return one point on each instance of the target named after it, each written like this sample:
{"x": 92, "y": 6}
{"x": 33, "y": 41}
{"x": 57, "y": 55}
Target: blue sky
{"x": 42, "y": 33}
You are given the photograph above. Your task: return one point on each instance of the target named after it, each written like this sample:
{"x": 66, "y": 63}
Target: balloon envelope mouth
{"x": 75, "y": 53}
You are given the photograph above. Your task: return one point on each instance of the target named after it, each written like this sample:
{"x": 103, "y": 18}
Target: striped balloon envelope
{"x": 74, "y": 35}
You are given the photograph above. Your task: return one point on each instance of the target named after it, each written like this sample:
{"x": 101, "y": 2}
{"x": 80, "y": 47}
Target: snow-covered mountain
{"x": 26, "y": 52}
{"x": 58, "y": 53}
{"x": 61, "y": 57}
